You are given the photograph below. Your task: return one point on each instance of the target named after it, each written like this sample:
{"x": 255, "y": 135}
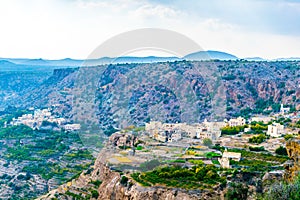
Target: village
{"x": 43, "y": 119}
{"x": 173, "y": 141}
{"x": 170, "y": 132}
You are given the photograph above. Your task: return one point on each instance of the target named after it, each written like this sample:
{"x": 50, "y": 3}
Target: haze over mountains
{"x": 42, "y": 64}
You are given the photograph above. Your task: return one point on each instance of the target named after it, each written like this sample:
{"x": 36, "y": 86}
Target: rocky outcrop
{"x": 112, "y": 188}
{"x": 122, "y": 139}
{"x": 293, "y": 166}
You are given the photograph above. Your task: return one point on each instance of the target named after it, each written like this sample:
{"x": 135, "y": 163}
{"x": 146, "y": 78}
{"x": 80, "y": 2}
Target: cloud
{"x": 73, "y": 28}
{"x": 160, "y": 11}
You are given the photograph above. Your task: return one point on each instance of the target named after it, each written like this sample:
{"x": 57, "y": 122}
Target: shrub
{"x": 283, "y": 191}
{"x": 237, "y": 191}
{"x": 95, "y": 194}
{"x": 281, "y": 151}
{"x": 207, "y": 142}
{"x": 257, "y": 148}
{"x": 97, "y": 183}
{"x": 288, "y": 136}
{"x": 149, "y": 165}
{"x": 139, "y": 148}
{"x": 258, "y": 139}
{"x": 124, "y": 180}
{"x": 232, "y": 130}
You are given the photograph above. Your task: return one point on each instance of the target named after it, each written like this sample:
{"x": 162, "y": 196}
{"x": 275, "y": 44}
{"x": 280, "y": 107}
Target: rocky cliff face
{"x": 167, "y": 91}
{"x": 293, "y": 166}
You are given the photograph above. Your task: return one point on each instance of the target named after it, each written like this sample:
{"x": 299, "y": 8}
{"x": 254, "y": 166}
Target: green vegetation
{"x": 74, "y": 196}
{"x": 110, "y": 130}
{"x": 232, "y": 130}
{"x": 229, "y": 77}
{"x": 298, "y": 124}
{"x": 254, "y": 165}
{"x": 95, "y": 194}
{"x": 207, "y": 142}
{"x": 196, "y": 162}
{"x": 16, "y": 132}
{"x": 97, "y": 183}
{"x": 139, "y": 148}
{"x": 197, "y": 177}
{"x": 212, "y": 154}
{"x": 43, "y": 152}
{"x": 149, "y": 165}
{"x": 252, "y": 90}
{"x": 283, "y": 191}
{"x": 283, "y": 120}
{"x": 281, "y": 151}
{"x": 215, "y": 162}
{"x": 258, "y": 139}
{"x": 257, "y": 148}
{"x": 257, "y": 161}
{"x": 267, "y": 157}
{"x": 124, "y": 180}
{"x": 261, "y": 105}
{"x": 237, "y": 191}
{"x": 288, "y": 136}
{"x": 258, "y": 127}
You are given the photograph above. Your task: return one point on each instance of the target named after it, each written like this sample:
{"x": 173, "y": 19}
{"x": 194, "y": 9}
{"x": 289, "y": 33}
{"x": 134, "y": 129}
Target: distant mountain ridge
{"x": 210, "y": 55}
{"x": 68, "y": 62}
{"x": 46, "y": 64}
{"x": 254, "y": 59}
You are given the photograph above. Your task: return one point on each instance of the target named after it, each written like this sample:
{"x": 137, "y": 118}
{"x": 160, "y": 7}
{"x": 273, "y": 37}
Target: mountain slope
{"x": 180, "y": 91}
{"x": 210, "y": 55}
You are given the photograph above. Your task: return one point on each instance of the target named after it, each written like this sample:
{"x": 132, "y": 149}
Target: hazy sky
{"x": 56, "y": 29}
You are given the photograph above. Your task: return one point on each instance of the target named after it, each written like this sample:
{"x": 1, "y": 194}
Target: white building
{"x": 174, "y": 136}
{"x": 275, "y": 130}
{"x": 246, "y": 130}
{"x": 227, "y": 156}
{"x": 72, "y": 127}
{"x": 175, "y": 131}
{"x": 284, "y": 110}
{"x": 214, "y": 129}
{"x": 240, "y": 121}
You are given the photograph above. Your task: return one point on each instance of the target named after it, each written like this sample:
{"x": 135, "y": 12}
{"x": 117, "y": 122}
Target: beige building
{"x": 240, "y": 121}
{"x": 262, "y": 119}
{"x": 174, "y": 132}
{"x": 227, "y": 156}
{"x": 72, "y": 127}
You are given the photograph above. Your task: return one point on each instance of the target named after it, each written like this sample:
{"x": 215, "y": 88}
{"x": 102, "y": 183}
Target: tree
{"x": 288, "y": 136}
{"x": 281, "y": 151}
{"x": 110, "y": 130}
{"x": 258, "y": 139}
{"x": 124, "y": 180}
{"x": 237, "y": 191}
{"x": 207, "y": 142}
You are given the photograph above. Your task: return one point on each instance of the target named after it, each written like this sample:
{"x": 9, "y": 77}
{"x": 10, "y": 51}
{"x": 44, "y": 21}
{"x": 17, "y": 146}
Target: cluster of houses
{"x": 39, "y": 117}
{"x": 170, "y": 132}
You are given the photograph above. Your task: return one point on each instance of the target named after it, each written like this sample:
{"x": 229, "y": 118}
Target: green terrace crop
{"x": 55, "y": 155}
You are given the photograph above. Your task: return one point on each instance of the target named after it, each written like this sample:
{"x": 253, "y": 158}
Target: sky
{"x": 56, "y": 29}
